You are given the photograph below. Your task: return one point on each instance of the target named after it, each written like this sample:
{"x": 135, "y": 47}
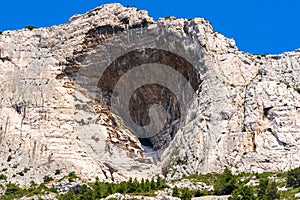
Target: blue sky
{"x": 258, "y": 26}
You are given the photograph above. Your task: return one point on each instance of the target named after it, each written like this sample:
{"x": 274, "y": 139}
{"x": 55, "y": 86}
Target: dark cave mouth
{"x": 147, "y": 95}
{"x": 146, "y": 142}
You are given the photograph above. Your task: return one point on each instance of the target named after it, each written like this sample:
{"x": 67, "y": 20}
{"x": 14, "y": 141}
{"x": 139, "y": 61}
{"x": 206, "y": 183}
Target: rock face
{"x": 57, "y": 111}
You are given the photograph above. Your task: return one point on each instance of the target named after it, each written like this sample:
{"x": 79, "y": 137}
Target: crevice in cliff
{"x": 147, "y": 95}
{"x": 267, "y": 111}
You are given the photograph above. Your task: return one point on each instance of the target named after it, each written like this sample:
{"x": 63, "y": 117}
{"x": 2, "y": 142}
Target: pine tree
{"x": 135, "y": 183}
{"x": 147, "y": 185}
{"x": 175, "y": 192}
{"x": 131, "y": 187}
{"x": 226, "y": 183}
{"x": 97, "y": 189}
{"x": 142, "y": 185}
{"x": 271, "y": 192}
{"x": 293, "y": 178}
{"x": 267, "y": 190}
{"x": 110, "y": 188}
{"x": 158, "y": 182}
{"x": 152, "y": 184}
{"x": 243, "y": 193}
{"x": 263, "y": 184}
{"x": 186, "y": 194}
{"x": 122, "y": 187}
{"x": 86, "y": 193}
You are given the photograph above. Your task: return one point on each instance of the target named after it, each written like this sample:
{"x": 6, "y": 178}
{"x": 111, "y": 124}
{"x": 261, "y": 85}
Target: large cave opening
{"x": 147, "y": 95}
{"x": 140, "y": 103}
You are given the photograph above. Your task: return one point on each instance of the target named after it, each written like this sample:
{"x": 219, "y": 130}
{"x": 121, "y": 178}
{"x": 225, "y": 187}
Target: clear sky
{"x": 258, "y": 26}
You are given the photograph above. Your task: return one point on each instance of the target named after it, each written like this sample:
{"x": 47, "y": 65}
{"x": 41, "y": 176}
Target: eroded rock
{"x": 244, "y": 111}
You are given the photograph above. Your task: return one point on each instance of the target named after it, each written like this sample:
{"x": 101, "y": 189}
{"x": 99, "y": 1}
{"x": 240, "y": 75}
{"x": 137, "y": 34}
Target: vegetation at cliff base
{"x": 99, "y": 189}
{"x": 243, "y": 186}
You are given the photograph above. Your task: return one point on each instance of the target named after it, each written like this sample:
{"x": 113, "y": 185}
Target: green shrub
{"x": 26, "y": 170}
{"x": 293, "y": 178}
{"x": 9, "y": 158}
{"x": 15, "y": 166}
{"x": 170, "y": 18}
{"x": 225, "y": 184}
{"x": 13, "y": 191}
{"x": 243, "y": 193}
{"x": 264, "y": 175}
{"x": 175, "y": 192}
{"x": 186, "y": 194}
{"x": 33, "y": 184}
{"x": 267, "y": 190}
{"x": 53, "y": 189}
{"x": 20, "y": 173}
{"x": 3, "y": 177}
{"x": 199, "y": 193}
{"x": 208, "y": 179}
{"x": 263, "y": 184}
{"x": 47, "y": 179}
{"x": 72, "y": 176}
{"x": 30, "y": 27}
{"x": 271, "y": 192}
{"x": 70, "y": 195}
{"x": 57, "y": 172}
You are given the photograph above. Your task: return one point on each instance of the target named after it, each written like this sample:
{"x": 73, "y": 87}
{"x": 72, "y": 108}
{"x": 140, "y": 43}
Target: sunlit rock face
{"x": 114, "y": 94}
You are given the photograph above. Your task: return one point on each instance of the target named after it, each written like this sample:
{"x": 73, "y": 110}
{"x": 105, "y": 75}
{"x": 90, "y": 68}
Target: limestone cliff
{"x": 58, "y": 85}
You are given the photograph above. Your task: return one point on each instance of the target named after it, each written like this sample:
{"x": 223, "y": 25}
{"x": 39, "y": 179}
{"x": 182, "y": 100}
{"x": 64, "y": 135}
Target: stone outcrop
{"x": 55, "y": 111}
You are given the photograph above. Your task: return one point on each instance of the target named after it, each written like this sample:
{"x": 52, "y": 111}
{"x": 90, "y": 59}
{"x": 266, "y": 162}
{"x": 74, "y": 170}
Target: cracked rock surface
{"x": 245, "y": 113}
